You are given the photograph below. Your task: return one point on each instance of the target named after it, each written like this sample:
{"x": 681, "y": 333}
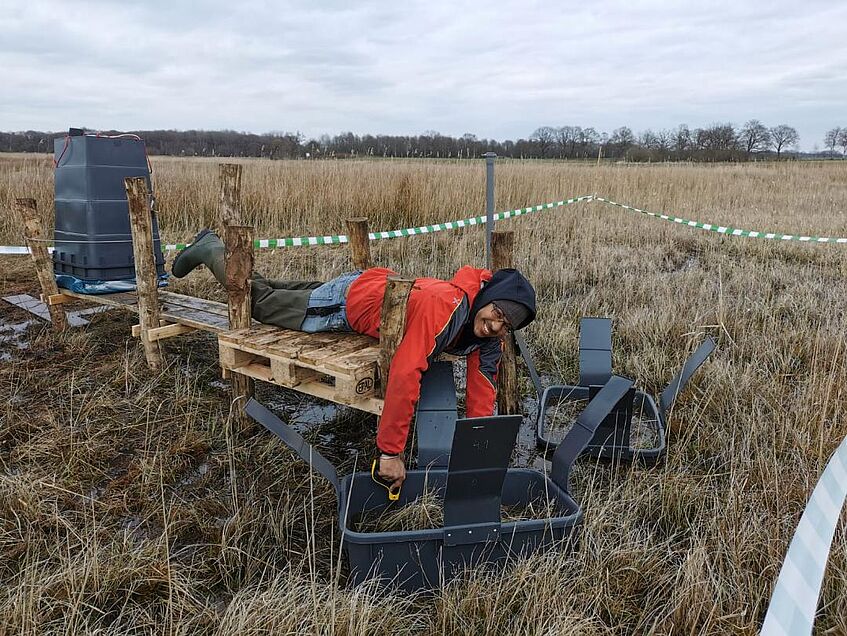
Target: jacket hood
{"x": 470, "y": 280}
{"x": 507, "y": 284}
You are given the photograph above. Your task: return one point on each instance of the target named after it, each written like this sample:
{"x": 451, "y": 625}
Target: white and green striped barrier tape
{"x": 337, "y": 239}
{"x": 727, "y": 230}
{"x": 409, "y": 231}
{"x": 794, "y": 601}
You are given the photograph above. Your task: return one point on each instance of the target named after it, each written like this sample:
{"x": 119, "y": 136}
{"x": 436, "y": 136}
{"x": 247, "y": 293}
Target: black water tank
{"x": 93, "y": 238}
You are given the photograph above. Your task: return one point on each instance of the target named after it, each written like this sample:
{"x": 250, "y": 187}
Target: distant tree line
{"x": 718, "y": 142}
{"x": 195, "y": 143}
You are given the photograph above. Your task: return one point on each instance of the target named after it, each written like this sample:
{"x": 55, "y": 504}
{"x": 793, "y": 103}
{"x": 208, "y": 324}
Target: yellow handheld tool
{"x": 393, "y": 493}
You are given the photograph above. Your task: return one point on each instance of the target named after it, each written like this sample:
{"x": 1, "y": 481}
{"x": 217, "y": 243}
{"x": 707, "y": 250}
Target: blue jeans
{"x": 327, "y": 309}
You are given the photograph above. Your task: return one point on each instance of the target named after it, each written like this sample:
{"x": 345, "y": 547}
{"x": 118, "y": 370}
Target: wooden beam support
{"x": 238, "y": 240}
{"x": 230, "y": 198}
{"x": 392, "y": 324}
{"x": 165, "y": 330}
{"x": 146, "y": 278}
{"x": 358, "y": 234}
{"x": 508, "y": 398}
{"x": 35, "y": 235}
{"x": 169, "y": 331}
{"x": 56, "y": 299}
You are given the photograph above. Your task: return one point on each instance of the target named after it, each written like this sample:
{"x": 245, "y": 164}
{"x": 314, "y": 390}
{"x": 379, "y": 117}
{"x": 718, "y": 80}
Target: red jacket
{"x": 435, "y": 316}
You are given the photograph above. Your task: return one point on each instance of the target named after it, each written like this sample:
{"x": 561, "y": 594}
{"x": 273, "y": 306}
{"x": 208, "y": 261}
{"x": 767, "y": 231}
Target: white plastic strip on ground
{"x": 795, "y": 595}
{"x": 15, "y": 249}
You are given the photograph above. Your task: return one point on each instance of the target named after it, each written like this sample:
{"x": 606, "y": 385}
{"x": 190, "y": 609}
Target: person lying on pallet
{"x": 467, "y": 315}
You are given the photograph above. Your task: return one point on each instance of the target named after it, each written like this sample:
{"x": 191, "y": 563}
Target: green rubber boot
{"x": 207, "y": 249}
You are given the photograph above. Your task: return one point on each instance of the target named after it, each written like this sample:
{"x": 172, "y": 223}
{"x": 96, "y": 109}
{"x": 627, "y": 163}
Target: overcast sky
{"x": 496, "y": 69}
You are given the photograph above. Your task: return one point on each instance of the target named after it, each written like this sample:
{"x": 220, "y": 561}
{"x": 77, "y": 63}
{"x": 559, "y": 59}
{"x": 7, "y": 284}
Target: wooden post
{"x": 146, "y": 278}
{"x": 508, "y": 403}
{"x": 230, "y": 201}
{"x": 35, "y": 234}
{"x": 238, "y": 240}
{"x": 360, "y": 244}
{"x": 392, "y": 324}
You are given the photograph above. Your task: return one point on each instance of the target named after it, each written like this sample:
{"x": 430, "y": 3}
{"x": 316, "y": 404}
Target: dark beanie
{"x": 508, "y": 286}
{"x": 516, "y": 313}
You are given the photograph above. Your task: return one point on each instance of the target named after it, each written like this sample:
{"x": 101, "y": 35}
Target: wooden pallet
{"x": 341, "y": 367}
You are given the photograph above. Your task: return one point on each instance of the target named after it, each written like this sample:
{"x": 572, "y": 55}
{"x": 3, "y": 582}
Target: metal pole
{"x": 489, "y": 204}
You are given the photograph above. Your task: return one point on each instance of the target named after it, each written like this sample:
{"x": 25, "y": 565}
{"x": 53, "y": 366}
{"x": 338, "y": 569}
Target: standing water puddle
{"x": 12, "y": 334}
{"x": 345, "y": 436}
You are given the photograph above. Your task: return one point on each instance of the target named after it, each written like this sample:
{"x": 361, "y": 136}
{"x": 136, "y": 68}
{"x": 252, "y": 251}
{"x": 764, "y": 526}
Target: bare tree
{"x": 647, "y": 139}
{"x": 564, "y": 138}
{"x": 754, "y": 137}
{"x": 830, "y": 140}
{"x": 718, "y": 142}
{"x": 682, "y": 140}
{"x": 545, "y": 137}
{"x": 587, "y": 137}
{"x": 622, "y": 138}
{"x": 783, "y": 136}
{"x": 656, "y": 143}
{"x": 577, "y": 133}
{"x": 842, "y": 141}
{"x": 469, "y": 143}
{"x": 664, "y": 141}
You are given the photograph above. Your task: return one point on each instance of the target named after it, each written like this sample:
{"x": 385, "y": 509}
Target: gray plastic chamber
{"x": 93, "y": 241}
{"x": 612, "y": 437}
{"x": 474, "y": 486}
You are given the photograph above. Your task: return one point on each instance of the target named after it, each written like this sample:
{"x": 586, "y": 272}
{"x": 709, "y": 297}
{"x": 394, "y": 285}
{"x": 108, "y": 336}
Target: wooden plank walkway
{"x": 206, "y": 315}
{"x": 341, "y": 367}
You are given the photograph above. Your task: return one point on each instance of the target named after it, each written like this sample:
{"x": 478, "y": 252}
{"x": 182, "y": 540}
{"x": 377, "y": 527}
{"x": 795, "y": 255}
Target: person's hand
{"x": 392, "y": 469}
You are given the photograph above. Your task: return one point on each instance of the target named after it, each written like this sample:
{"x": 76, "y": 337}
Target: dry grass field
{"x": 129, "y": 504}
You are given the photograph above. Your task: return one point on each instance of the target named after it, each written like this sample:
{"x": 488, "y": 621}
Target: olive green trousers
{"x": 281, "y": 302}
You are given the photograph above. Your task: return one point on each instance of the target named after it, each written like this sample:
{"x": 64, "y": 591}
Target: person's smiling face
{"x": 490, "y": 322}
